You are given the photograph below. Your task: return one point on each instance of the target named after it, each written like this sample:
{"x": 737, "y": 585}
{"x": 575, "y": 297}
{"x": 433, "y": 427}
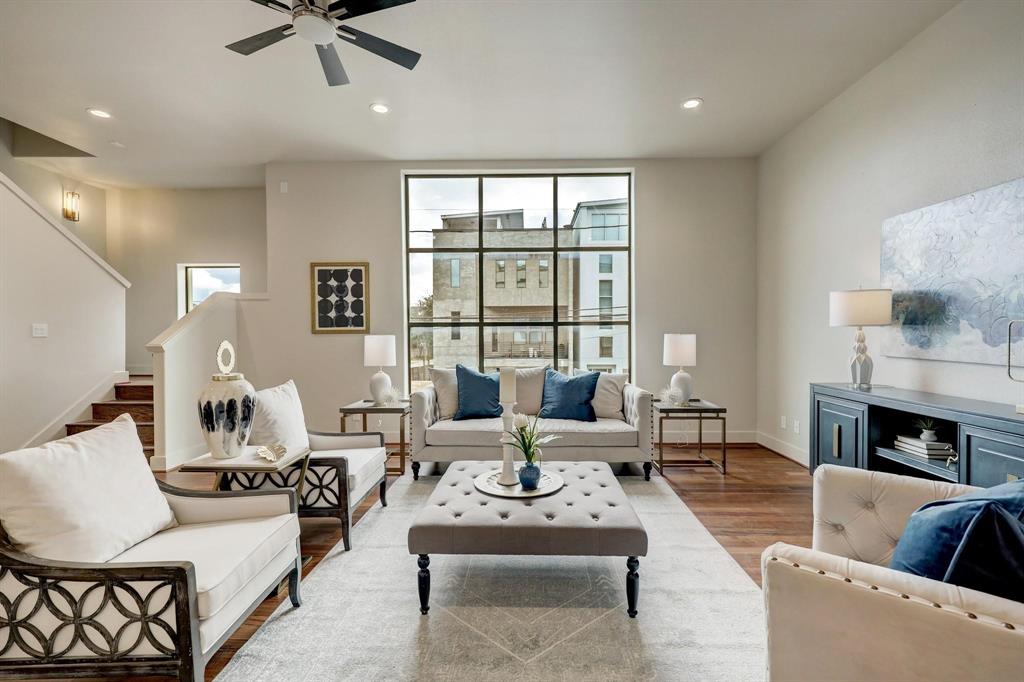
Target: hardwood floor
{"x": 766, "y": 498}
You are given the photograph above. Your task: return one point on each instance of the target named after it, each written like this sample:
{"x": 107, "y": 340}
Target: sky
{"x": 206, "y": 281}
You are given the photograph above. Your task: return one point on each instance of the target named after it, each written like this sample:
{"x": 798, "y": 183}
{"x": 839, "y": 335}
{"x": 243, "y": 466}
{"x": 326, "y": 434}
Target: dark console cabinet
{"x": 853, "y": 427}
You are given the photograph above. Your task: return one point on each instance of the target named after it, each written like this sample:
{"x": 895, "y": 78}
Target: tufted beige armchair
{"x": 837, "y": 612}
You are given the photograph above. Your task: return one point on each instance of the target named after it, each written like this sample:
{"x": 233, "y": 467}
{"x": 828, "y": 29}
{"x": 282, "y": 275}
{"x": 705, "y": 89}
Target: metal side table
{"x": 699, "y": 411}
{"x": 403, "y": 408}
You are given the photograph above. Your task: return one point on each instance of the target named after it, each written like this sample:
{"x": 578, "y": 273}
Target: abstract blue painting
{"x": 956, "y": 269}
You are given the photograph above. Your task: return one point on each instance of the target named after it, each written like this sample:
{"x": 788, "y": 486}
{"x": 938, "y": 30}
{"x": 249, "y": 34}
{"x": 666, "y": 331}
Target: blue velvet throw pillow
{"x": 478, "y": 394}
{"x": 566, "y": 398}
{"x": 974, "y": 541}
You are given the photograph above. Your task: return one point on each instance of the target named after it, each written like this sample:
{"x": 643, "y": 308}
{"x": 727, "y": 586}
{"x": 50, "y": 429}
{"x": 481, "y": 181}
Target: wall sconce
{"x": 72, "y": 203}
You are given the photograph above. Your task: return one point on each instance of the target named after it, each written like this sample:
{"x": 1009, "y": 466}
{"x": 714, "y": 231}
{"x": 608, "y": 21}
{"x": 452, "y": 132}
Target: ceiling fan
{"x": 318, "y": 22}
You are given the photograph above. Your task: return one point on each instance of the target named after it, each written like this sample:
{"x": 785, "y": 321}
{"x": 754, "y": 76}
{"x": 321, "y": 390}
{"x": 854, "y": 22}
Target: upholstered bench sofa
{"x": 436, "y": 437}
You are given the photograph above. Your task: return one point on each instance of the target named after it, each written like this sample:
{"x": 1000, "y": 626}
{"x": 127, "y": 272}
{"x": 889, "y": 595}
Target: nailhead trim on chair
{"x": 846, "y": 579}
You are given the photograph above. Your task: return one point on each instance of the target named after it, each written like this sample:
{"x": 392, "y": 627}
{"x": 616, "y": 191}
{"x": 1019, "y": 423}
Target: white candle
{"x": 507, "y": 385}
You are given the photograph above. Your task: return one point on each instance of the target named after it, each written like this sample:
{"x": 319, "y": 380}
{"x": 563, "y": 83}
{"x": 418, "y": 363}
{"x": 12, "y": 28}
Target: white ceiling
{"x": 498, "y": 80}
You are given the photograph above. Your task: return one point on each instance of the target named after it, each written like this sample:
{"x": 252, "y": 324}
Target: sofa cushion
{"x": 478, "y": 394}
{"x": 607, "y": 400}
{"x": 530, "y": 389}
{"x": 566, "y": 398}
{"x": 226, "y": 554}
{"x": 572, "y": 433}
{"x": 446, "y": 386}
{"x": 974, "y": 540}
{"x": 278, "y": 417}
{"x": 87, "y": 497}
{"x": 365, "y": 467}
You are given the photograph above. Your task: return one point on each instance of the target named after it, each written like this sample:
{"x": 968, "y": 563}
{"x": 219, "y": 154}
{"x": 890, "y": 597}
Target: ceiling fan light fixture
{"x": 99, "y": 113}
{"x": 379, "y": 108}
{"x": 692, "y": 103}
{"x": 314, "y": 28}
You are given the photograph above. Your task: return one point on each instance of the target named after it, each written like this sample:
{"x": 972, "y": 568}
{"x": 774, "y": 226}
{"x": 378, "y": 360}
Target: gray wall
{"x": 942, "y": 117}
{"x": 48, "y": 187}
{"x": 151, "y": 231}
{"x": 694, "y": 269}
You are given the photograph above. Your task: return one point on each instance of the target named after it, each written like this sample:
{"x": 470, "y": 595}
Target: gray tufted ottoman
{"x": 590, "y": 516}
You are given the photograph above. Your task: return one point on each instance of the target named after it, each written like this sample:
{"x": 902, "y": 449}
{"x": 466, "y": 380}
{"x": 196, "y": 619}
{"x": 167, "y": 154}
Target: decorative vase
{"x": 226, "y": 408}
{"x": 928, "y": 435}
{"x": 529, "y": 476}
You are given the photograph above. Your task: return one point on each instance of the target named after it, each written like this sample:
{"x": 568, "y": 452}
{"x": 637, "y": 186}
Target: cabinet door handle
{"x": 835, "y": 440}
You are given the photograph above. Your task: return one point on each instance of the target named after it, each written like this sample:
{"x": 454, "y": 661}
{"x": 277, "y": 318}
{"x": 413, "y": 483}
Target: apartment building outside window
{"x": 566, "y": 240}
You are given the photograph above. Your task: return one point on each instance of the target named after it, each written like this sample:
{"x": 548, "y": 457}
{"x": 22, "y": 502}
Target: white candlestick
{"x": 507, "y": 385}
{"x": 508, "y": 472}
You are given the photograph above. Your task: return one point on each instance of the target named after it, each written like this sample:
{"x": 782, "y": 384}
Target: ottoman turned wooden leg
{"x": 632, "y": 585}
{"x": 424, "y": 582}
{"x": 415, "y": 471}
{"x": 647, "y": 471}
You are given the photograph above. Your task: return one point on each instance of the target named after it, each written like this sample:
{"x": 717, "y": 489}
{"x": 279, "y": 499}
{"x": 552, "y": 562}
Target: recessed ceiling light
{"x": 379, "y": 108}
{"x": 692, "y": 103}
{"x": 99, "y": 113}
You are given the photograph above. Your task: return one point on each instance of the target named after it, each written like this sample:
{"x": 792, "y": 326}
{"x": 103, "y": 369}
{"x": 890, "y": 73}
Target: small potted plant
{"x": 927, "y": 427}
{"x": 525, "y": 438}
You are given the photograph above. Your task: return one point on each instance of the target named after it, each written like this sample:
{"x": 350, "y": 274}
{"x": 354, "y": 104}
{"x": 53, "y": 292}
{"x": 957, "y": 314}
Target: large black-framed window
{"x": 544, "y": 271}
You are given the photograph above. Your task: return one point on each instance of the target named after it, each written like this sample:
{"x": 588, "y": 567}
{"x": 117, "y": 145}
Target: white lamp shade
{"x": 860, "y": 308}
{"x": 379, "y": 350}
{"x": 680, "y": 350}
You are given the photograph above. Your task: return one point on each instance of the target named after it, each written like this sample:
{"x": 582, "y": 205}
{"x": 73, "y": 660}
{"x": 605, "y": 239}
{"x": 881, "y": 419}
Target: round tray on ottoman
{"x": 488, "y": 483}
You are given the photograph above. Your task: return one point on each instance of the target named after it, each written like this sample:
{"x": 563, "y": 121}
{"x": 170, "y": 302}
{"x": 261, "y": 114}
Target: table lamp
{"x": 680, "y": 350}
{"x": 860, "y": 308}
{"x": 379, "y": 351}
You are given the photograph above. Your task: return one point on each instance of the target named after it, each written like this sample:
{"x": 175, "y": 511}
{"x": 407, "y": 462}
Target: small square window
{"x": 518, "y": 337}
{"x": 604, "y": 263}
{"x": 203, "y": 280}
{"x": 607, "y": 347}
{"x": 544, "y": 276}
{"x": 520, "y": 274}
{"x": 499, "y": 274}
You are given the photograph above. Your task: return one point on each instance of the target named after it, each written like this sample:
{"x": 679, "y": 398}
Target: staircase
{"x": 134, "y": 397}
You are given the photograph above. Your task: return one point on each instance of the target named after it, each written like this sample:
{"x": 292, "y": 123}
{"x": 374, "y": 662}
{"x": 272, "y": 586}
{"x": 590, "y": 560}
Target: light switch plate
{"x": 40, "y": 330}
{"x": 782, "y": 422}
{"x": 796, "y": 426}
{"x": 284, "y": 187}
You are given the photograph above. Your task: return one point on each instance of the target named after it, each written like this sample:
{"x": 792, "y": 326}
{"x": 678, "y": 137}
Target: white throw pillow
{"x": 529, "y": 389}
{"x": 446, "y": 385}
{"x": 607, "y": 401}
{"x": 278, "y": 417}
{"x": 87, "y": 497}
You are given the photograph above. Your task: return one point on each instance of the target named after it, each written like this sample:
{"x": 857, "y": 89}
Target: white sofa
{"x": 604, "y": 440}
{"x": 163, "y": 606}
{"x": 344, "y": 468}
{"x": 837, "y": 612}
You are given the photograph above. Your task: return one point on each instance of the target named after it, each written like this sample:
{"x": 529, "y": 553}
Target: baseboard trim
{"x": 798, "y": 455}
{"x": 101, "y": 391}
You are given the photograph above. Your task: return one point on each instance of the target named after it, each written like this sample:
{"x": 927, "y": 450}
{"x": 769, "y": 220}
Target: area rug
{"x": 516, "y": 618}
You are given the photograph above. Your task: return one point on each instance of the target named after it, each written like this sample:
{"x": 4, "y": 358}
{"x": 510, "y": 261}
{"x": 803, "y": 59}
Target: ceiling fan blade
{"x": 346, "y": 9}
{"x": 261, "y": 40}
{"x": 274, "y": 4}
{"x": 380, "y": 47}
{"x": 333, "y": 69}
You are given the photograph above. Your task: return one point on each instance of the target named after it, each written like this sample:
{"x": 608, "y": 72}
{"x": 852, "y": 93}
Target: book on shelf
{"x": 928, "y": 445}
{"x": 925, "y": 454}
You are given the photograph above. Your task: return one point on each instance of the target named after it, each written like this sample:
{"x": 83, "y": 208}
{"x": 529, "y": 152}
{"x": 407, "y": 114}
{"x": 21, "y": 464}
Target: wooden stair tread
{"x": 124, "y": 401}
{"x": 100, "y": 422}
